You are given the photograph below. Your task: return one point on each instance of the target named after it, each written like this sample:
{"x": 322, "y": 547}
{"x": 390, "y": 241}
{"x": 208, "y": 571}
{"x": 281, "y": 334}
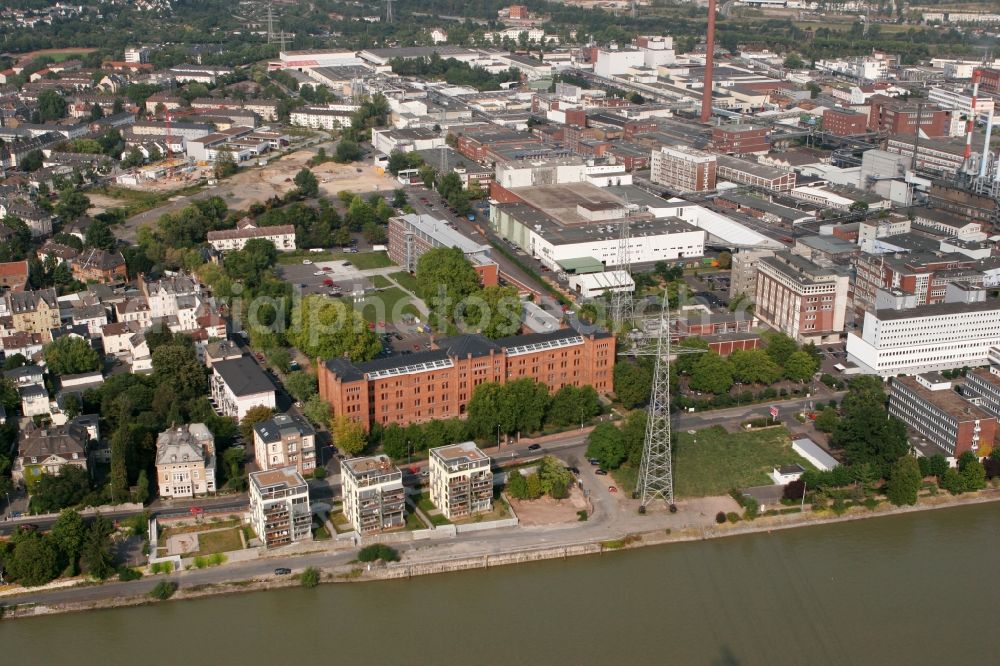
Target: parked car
{"x": 600, "y": 472}
{"x": 307, "y": 262}
{"x": 282, "y": 571}
{"x": 534, "y": 447}
{"x": 594, "y": 461}
{"x": 328, "y": 282}
{"x": 612, "y": 489}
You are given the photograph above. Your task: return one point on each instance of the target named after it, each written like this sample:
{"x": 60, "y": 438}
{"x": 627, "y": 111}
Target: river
{"x": 910, "y": 589}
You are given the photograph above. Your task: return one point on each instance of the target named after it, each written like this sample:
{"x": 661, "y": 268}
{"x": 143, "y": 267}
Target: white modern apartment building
{"x": 319, "y": 117}
{"x": 941, "y": 336}
{"x": 239, "y": 385}
{"x": 374, "y": 496}
{"x": 279, "y": 507}
{"x": 461, "y": 480}
{"x": 281, "y": 236}
{"x": 185, "y": 461}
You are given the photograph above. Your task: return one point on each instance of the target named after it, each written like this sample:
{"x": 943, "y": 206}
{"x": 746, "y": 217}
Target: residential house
{"x": 14, "y": 275}
{"x": 239, "y": 385}
{"x": 34, "y": 311}
{"x": 279, "y": 507}
{"x": 374, "y": 496}
{"x": 461, "y": 480}
{"x": 48, "y": 450}
{"x": 96, "y": 265}
{"x": 285, "y": 440}
{"x": 185, "y": 461}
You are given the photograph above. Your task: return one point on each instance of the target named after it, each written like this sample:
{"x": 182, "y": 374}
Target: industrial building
{"x": 928, "y": 404}
{"x": 683, "y": 169}
{"x": 801, "y": 299}
{"x": 411, "y": 235}
{"x": 438, "y": 383}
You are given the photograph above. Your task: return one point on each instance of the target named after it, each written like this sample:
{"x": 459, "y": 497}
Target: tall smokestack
{"x": 706, "y": 95}
{"x": 970, "y": 124}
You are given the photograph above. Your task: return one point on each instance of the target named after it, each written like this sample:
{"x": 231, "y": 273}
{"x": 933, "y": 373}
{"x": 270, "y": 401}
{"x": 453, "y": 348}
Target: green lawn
{"x": 381, "y": 281}
{"x": 713, "y": 461}
{"x": 405, "y": 280}
{"x": 382, "y": 306}
{"x": 297, "y": 256}
{"x": 366, "y": 260}
{"x": 139, "y": 201}
{"x": 222, "y": 541}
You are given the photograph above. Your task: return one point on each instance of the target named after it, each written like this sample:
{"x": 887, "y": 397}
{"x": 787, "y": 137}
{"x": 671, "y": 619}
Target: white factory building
{"x": 941, "y": 336}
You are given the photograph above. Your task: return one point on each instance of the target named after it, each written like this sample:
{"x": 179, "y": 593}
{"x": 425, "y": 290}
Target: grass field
{"x": 405, "y": 280}
{"x": 365, "y": 260}
{"x": 380, "y": 281}
{"x": 713, "y": 461}
{"x": 134, "y": 202}
{"x": 382, "y": 306}
{"x": 222, "y": 541}
{"x": 297, "y": 256}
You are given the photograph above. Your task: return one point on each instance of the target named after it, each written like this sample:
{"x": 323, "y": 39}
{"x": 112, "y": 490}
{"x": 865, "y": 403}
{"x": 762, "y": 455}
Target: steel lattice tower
{"x": 622, "y": 312}
{"x": 656, "y": 477}
{"x": 388, "y": 11}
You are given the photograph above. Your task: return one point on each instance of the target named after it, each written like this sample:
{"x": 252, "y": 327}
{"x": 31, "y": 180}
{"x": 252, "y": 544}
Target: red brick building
{"x": 842, "y": 122}
{"x": 438, "y": 384}
{"x": 518, "y": 12}
{"x": 898, "y": 116}
{"x": 14, "y": 275}
{"x": 740, "y": 140}
{"x": 96, "y": 265}
{"x": 989, "y": 81}
{"x": 928, "y": 404}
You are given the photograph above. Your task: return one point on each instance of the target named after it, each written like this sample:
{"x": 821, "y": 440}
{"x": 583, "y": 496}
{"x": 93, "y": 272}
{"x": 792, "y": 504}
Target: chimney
{"x": 706, "y": 95}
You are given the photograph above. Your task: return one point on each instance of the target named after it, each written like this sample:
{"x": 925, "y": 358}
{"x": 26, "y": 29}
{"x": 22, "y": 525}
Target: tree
{"x": 56, "y": 492}
{"x": 937, "y": 465}
{"x": 250, "y": 265}
{"x": 96, "y": 556}
{"x": 485, "y": 415}
{"x": 306, "y": 183}
{"x": 685, "y": 362}
{"x": 553, "y": 475}
{"x": 496, "y": 311}
{"x": 725, "y": 260}
{"x": 225, "y": 164}
{"x": 754, "y": 366}
{"x": 35, "y": 561}
{"x": 827, "y": 420}
{"x": 301, "y": 385}
{"x": 68, "y": 533}
{"x": 607, "y": 445}
{"x": 51, "y": 106}
{"x": 122, "y": 452}
{"x": 779, "y": 346}
{"x": 633, "y": 381}
{"x": 394, "y": 442}
{"x": 96, "y": 112}
{"x": 317, "y": 410}
{"x": 348, "y": 151}
{"x": 326, "y": 328}
{"x": 71, "y": 204}
{"x": 868, "y": 435}
{"x": 254, "y": 416}
{"x": 310, "y": 577}
{"x": 573, "y": 405}
{"x": 99, "y": 236}
{"x": 524, "y": 403}
{"x": 517, "y": 485}
{"x": 800, "y": 366}
{"x": 973, "y": 475}
{"x": 232, "y": 463}
{"x": 904, "y": 481}
{"x": 712, "y": 373}
{"x": 71, "y": 355}
{"x": 142, "y": 488}
{"x": 793, "y": 61}
{"x": 444, "y": 278}
{"x": 31, "y": 162}
{"x": 533, "y": 488}
{"x": 177, "y": 366}
{"x": 348, "y": 435}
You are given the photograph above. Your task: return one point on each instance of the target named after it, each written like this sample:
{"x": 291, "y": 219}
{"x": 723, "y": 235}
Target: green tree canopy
{"x": 904, "y": 481}
{"x": 571, "y": 405}
{"x": 633, "y": 382}
{"x": 496, "y": 311}
{"x": 306, "y": 183}
{"x": 71, "y": 355}
{"x": 800, "y": 366}
{"x": 35, "y": 561}
{"x": 606, "y": 444}
{"x": 779, "y": 346}
{"x": 301, "y": 385}
{"x": 712, "y": 373}
{"x": 754, "y": 366}
{"x": 348, "y": 435}
{"x": 326, "y": 328}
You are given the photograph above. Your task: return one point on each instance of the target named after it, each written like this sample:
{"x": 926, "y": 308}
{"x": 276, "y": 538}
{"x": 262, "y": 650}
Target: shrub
{"x": 215, "y": 559}
{"x": 163, "y": 590}
{"x": 794, "y": 490}
{"x": 733, "y": 517}
{"x": 319, "y": 473}
{"x": 378, "y": 551}
{"x": 161, "y": 567}
{"x": 720, "y": 517}
{"x": 200, "y": 562}
{"x": 839, "y": 507}
{"x": 750, "y": 508}
{"x": 128, "y": 573}
{"x": 582, "y": 515}
{"x": 310, "y": 577}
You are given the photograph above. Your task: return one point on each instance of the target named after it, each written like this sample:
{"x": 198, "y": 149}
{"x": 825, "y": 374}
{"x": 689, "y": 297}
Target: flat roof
{"x": 580, "y": 265}
{"x": 287, "y": 477}
{"x": 371, "y": 465}
{"x": 442, "y": 234}
{"x": 558, "y": 234}
{"x": 945, "y": 399}
{"x": 755, "y": 168}
{"x": 937, "y": 310}
{"x": 784, "y": 212}
{"x": 455, "y": 454}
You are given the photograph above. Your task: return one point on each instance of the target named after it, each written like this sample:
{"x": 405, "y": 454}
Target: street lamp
{"x": 498, "y": 437}
{"x": 409, "y": 453}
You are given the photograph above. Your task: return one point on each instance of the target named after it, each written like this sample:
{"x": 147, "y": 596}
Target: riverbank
{"x": 437, "y": 559}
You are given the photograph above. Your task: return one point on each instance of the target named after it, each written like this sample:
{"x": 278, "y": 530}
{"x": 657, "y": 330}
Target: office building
{"x": 239, "y": 385}
{"x": 683, "y": 169}
{"x": 374, "y": 496}
{"x": 942, "y": 336}
{"x": 799, "y": 298}
{"x": 410, "y": 236}
{"x": 279, "y": 507}
{"x": 928, "y": 404}
{"x": 461, "y": 480}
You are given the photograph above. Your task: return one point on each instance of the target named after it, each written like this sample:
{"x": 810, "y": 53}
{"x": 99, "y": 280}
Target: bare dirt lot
{"x": 547, "y": 511}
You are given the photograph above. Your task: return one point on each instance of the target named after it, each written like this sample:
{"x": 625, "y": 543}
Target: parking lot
{"x": 333, "y": 278}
